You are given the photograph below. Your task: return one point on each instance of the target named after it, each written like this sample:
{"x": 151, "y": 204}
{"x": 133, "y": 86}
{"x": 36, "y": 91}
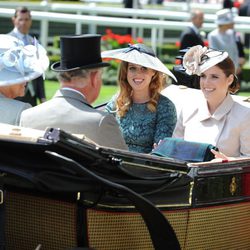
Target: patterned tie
{"x": 26, "y": 39}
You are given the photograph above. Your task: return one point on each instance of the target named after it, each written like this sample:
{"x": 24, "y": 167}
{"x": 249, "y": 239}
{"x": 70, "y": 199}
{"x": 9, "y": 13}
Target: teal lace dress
{"x": 142, "y": 128}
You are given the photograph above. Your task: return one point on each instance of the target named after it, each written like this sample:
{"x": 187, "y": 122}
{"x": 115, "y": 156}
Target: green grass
{"x": 50, "y": 88}
{"x": 244, "y": 93}
{"x": 106, "y": 92}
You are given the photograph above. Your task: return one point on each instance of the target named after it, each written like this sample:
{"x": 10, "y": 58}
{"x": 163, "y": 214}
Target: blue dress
{"x": 142, "y": 128}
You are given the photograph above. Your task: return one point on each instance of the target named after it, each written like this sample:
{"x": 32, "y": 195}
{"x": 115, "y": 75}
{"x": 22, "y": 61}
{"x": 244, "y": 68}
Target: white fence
{"x": 167, "y": 5}
{"x": 176, "y": 20}
{"x": 181, "y": 14}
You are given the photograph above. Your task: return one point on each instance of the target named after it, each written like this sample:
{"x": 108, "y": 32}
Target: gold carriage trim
{"x": 233, "y": 186}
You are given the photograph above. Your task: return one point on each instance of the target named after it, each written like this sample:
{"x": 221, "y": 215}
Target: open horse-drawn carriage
{"x": 59, "y": 191}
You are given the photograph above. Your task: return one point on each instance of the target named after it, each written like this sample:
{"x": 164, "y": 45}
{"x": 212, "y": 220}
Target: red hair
{"x": 124, "y": 99}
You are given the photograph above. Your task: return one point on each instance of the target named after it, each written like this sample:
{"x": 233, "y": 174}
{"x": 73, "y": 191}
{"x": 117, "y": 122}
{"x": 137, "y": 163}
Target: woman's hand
{"x": 220, "y": 157}
{"x": 155, "y": 145}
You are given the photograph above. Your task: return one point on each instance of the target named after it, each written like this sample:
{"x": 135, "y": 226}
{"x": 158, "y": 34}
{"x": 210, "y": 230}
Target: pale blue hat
{"x": 19, "y": 63}
{"x": 224, "y": 16}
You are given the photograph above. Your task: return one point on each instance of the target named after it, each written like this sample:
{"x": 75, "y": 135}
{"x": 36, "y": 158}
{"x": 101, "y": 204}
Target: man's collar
{"x": 18, "y": 32}
{"x": 195, "y": 28}
{"x": 71, "y": 89}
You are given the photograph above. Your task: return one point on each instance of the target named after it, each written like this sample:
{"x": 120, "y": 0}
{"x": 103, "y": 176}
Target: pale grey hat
{"x": 139, "y": 54}
{"x": 224, "y": 16}
{"x": 198, "y": 59}
{"x": 19, "y": 63}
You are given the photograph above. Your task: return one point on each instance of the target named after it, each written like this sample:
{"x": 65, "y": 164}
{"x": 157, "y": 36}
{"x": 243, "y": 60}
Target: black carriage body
{"x": 47, "y": 202}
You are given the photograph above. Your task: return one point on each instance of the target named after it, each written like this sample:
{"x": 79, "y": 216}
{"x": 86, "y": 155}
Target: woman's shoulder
{"x": 163, "y": 100}
{"x": 165, "y": 106}
{"x": 240, "y": 116}
{"x": 241, "y": 108}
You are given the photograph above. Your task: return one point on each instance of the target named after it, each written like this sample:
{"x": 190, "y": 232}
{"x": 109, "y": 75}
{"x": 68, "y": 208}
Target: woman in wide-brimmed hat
{"x": 216, "y": 118}
{"x": 144, "y": 115}
{"x": 18, "y": 65}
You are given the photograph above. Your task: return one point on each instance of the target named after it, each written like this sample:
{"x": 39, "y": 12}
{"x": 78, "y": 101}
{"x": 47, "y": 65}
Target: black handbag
{"x": 184, "y": 150}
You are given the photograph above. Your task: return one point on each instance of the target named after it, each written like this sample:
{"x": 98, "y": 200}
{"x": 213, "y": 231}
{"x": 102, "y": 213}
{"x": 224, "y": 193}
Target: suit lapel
{"x": 197, "y": 34}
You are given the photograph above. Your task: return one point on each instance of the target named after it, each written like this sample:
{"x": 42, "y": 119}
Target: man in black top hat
{"x": 79, "y": 73}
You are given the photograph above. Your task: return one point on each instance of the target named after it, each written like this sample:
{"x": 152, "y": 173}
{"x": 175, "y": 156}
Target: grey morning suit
{"x": 70, "y": 111}
{"x": 10, "y": 110}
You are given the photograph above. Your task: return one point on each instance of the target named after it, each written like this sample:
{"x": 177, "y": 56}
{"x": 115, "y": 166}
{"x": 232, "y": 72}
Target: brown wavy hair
{"x": 124, "y": 99}
{"x": 227, "y": 66}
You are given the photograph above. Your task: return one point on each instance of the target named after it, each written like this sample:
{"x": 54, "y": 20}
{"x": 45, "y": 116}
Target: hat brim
{"x": 8, "y": 78}
{"x": 140, "y": 58}
{"x": 10, "y": 75}
{"x": 224, "y": 22}
{"x": 57, "y": 66}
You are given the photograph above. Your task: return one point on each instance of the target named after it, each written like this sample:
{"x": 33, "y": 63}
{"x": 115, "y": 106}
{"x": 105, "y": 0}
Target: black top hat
{"x": 79, "y": 52}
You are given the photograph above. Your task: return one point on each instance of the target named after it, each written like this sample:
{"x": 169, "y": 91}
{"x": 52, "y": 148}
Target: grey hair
{"x": 196, "y": 12}
{"x": 78, "y": 73}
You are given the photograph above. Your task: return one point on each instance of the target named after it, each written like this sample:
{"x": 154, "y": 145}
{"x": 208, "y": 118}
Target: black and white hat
{"x": 198, "y": 59}
{"x": 139, "y": 54}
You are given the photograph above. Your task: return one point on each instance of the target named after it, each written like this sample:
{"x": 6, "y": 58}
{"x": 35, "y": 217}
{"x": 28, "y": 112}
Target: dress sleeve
{"x": 166, "y": 119}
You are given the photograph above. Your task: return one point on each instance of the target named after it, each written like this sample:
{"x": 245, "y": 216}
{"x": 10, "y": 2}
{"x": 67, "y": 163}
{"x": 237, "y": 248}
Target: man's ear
{"x": 94, "y": 78}
{"x": 230, "y": 79}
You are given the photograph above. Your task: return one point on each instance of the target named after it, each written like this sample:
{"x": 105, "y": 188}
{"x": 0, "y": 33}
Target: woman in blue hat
{"x": 19, "y": 64}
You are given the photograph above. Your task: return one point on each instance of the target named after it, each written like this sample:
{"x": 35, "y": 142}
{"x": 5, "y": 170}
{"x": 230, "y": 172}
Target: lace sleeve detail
{"x": 166, "y": 119}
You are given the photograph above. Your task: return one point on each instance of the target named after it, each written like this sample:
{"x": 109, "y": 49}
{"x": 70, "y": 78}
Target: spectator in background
{"x": 80, "y": 77}
{"x": 191, "y": 36}
{"x": 22, "y": 22}
{"x": 226, "y": 38}
{"x": 242, "y": 56}
{"x": 19, "y": 64}
{"x": 244, "y": 10}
